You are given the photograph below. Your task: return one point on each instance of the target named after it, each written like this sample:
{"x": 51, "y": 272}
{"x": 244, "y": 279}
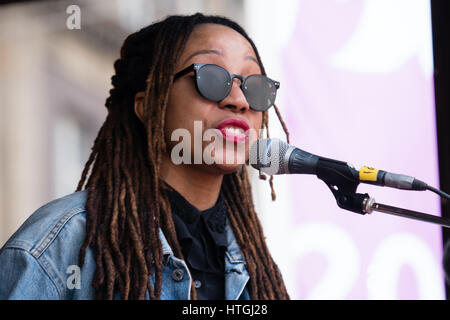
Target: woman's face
{"x": 223, "y": 46}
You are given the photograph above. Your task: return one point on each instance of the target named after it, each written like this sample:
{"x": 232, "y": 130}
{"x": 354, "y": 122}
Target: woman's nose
{"x": 235, "y": 100}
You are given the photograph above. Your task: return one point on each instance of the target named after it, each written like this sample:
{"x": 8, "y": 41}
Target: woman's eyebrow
{"x": 252, "y": 59}
{"x": 206, "y": 51}
{"x": 220, "y": 53}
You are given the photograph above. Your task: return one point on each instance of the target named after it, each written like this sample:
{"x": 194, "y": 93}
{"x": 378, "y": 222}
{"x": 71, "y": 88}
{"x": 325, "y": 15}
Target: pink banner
{"x": 358, "y": 86}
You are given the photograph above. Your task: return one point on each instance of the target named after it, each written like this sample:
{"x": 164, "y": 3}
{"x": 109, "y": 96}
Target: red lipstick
{"x": 234, "y": 129}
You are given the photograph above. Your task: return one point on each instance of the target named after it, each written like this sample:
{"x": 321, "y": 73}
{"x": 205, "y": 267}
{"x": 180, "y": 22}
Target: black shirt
{"x": 203, "y": 242}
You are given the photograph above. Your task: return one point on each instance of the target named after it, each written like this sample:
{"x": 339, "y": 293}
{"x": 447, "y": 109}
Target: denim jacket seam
{"x": 233, "y": 259}
{"x": 16, "y": 247}
{"x": 243, "y": 288}
{"x": 53, "y": 233}
{"x": 19, "y": 244}
{"x": 47, "y": 267}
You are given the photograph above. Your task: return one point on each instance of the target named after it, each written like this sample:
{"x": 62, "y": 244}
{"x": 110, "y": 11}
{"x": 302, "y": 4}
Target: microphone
{"x": 274, "y": 157}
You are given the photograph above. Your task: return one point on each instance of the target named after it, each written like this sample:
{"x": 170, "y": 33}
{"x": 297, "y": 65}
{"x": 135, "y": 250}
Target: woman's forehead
{"x": 217, "y": 37}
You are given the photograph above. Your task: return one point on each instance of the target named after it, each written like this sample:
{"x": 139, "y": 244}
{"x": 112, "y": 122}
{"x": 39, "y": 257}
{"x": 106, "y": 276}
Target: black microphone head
{"x": 268, "y": 155}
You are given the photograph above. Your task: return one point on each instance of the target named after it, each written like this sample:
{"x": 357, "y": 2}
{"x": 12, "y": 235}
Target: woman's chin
{"x": 226, "y": 160}
{"x": 227, "y": 168}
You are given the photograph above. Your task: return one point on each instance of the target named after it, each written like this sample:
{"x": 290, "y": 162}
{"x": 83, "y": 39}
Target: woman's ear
{"x": 139, "y": 105}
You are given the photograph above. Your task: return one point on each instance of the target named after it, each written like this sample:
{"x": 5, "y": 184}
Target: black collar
{"x": 214, "y": 218}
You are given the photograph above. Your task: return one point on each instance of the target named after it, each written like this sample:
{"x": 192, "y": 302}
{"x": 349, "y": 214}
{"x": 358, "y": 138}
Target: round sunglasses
{"x": 214, "y": 83}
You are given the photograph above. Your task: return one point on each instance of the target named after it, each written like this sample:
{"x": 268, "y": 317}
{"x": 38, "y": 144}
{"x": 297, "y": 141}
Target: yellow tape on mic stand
{"x": 368, "y": 174}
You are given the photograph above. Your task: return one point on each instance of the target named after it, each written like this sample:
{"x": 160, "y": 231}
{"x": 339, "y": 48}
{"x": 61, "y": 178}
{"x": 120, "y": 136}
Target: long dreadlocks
{"x": 127, "y": 202}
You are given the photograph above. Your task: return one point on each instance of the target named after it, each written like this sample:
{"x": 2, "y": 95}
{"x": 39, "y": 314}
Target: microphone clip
{"x": 343, "y": 182}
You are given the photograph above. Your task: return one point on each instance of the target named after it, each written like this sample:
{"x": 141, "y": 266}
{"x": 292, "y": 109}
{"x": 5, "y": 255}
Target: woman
{"x": 145, "y": 227}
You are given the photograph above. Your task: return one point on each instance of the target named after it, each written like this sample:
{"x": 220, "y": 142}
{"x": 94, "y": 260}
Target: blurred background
{"x": 356, "y": 85}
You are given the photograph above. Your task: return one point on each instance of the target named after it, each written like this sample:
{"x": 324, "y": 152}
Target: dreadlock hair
{"x": 127, "y": 203}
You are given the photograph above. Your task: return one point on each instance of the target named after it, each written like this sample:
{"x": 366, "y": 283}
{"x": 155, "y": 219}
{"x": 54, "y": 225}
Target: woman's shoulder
{"x": 40, "y": 260}
{"x": 63, "y": 218}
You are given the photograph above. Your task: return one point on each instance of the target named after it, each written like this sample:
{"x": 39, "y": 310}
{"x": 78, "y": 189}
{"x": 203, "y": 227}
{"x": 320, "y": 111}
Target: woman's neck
{"x": 199, "y": 188}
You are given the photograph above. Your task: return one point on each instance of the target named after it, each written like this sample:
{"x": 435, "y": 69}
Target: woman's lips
{"x": 234, "y": 129}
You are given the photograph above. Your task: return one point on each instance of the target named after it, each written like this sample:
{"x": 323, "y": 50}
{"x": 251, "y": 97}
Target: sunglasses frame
{"x": 197, "y": 66}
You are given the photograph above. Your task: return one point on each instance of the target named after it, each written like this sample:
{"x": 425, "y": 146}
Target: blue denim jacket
{"x": 40, "y": 260}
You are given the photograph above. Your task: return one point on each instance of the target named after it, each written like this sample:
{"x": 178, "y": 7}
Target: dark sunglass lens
{"x": 260, "y": 92}
{"x": 213, "y": 82}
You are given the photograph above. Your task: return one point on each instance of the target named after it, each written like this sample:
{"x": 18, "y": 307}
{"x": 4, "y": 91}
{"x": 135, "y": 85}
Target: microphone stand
{"x": 343, "y": 185}
{"x": 444, "y": 222}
